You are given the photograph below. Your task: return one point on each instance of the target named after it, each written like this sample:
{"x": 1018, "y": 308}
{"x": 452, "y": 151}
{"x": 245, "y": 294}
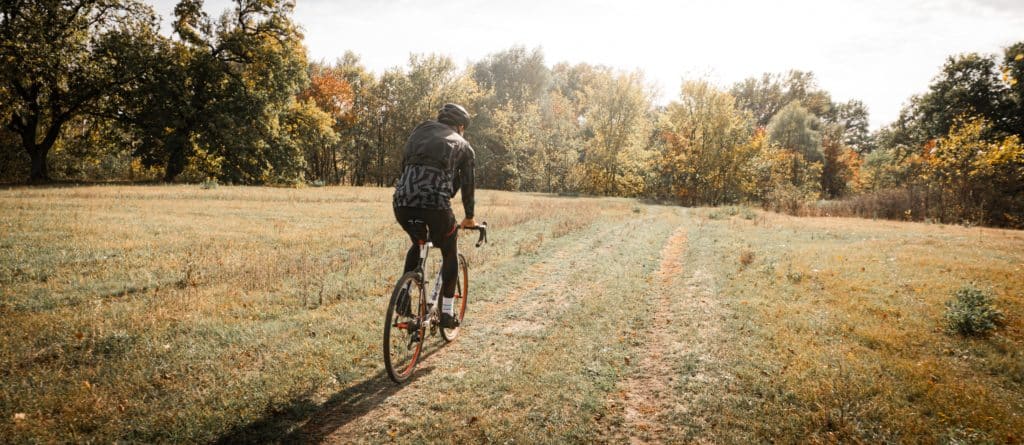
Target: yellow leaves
{"x": 1019, "y": 57}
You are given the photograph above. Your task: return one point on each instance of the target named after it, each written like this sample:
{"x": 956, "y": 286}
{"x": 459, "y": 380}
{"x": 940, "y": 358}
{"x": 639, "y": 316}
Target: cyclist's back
{"x": 436, "y": 163}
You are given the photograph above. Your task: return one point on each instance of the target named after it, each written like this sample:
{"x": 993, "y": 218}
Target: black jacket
{"x": 436, "y": 163}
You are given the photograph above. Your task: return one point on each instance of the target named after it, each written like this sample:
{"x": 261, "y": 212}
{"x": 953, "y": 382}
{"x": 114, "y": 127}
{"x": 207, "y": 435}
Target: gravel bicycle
{"x": 412, "y": 312}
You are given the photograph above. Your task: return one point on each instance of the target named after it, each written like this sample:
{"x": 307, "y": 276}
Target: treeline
{"x": 92, "y": 91}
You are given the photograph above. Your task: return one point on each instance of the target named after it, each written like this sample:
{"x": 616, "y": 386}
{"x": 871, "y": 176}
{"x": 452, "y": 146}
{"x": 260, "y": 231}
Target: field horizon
{"x": 183, "y": 313}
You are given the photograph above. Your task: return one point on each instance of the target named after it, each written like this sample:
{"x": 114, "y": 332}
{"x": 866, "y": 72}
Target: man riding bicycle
{"x": 436, "y": 163}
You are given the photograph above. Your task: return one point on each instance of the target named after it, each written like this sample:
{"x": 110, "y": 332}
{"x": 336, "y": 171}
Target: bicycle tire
{"x": 461, "y": 298}
{"x": 403, "y": 336}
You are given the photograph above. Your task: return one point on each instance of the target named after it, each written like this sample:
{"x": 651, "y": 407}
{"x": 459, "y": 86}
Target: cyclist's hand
{"x": 468, "y": 223}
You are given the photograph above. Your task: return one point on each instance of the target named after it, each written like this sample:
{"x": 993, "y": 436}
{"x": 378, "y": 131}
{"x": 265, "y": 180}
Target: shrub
{"x": 209, "y": 183}
{"x": 971, "y": 312}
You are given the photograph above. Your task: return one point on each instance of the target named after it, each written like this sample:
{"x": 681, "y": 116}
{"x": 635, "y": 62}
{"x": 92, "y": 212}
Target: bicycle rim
{"x": 461, "y": 298}
{"x": 403, "y": 334}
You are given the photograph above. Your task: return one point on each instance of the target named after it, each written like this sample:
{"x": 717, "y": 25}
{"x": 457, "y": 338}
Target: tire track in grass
{"x": 680, "y": 370}
{"x": 643, "y": 395}
{"x": 489, "y": 320}
{"x": 544, "y": 384}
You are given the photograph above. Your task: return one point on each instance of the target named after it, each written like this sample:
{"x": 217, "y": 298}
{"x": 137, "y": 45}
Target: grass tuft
{"x": 972, "y": 312}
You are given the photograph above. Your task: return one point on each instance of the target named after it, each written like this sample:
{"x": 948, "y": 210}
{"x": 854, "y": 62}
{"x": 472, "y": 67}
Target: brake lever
{"x": 483, "y": 234}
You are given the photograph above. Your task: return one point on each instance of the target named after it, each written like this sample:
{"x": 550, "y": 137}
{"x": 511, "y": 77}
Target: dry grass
{"x": 836, "y": 332}
{"x": 182, "y": 314}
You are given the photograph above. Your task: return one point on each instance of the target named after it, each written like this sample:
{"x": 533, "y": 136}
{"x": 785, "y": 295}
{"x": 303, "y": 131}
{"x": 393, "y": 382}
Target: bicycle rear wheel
{"x": 403, "y": 327}
{"x": 461, "y": 298}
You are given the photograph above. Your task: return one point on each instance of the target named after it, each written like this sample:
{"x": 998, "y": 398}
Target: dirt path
{"x": 678, "y": 368}
{"x": 645, "y": 395}
{"x": 526, "y": 307}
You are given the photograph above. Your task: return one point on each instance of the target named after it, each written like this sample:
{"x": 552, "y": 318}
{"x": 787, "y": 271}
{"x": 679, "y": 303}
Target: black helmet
{"x": 453, "y": 114}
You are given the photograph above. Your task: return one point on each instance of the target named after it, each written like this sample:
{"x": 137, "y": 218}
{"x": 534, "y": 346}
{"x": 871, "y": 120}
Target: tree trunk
{"x": 37, "y": 152}
{"x": 175, "y": 165}
{"x": 38, "y": 173}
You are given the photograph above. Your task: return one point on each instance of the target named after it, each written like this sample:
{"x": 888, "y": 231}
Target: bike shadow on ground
{"x": 304, "y": 421}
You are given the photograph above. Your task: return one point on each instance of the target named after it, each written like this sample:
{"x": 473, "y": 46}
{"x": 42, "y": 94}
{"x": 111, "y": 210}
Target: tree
{"x": 969, "y": 84}
{"x": 765, "y": 96}
{"x": 1013, "y": 76}
{"x": 513, "y": 76}
{"x": 762, "y": 97}
{"x": 616, "y": 115}
{"x": 852, "y": 119}
{"x": 512, "y": 82}
{"x": 707, "y": 155}
{"x": 220, "y": 90}
{"x": 356, "y": 130}
{"x": 838, "y": 164}
{"x": 407, "y": 98}
{"x": 307, "y": 131}
{"x": 795, "y": 128}
{"x": 330, "y": 91}
{"x": 63, "y": 59}
{"x": 980, "y": 179}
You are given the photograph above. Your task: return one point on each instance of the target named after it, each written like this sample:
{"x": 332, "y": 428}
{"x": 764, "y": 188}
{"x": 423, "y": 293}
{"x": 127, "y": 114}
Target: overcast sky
{"x": 878, "y": 51}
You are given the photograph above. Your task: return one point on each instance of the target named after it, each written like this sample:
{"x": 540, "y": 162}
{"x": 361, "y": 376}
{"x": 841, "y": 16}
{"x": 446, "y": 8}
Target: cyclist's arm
{"x": 467, "y": 182}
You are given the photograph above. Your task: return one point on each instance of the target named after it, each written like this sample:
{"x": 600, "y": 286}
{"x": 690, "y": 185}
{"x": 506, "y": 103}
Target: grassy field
{"x": 181, "y": 314}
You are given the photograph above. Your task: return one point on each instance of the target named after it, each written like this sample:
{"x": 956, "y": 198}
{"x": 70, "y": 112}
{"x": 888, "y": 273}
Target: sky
{"x": 878, "y": 51}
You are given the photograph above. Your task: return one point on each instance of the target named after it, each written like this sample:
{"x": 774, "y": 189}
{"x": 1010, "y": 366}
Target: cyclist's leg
{"x": 445, "y": 234}
{"x": 406, "y": 217}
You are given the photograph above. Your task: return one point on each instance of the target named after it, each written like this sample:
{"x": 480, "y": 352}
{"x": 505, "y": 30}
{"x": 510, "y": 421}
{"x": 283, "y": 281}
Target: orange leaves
{"x": 331, "y": 92}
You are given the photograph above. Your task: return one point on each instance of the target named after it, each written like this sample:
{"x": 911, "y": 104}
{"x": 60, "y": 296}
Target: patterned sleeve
{"x": 467, "y": 180}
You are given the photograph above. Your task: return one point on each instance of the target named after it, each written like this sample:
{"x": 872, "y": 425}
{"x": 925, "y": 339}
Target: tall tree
{"x": 1013, "y": 76}
{"x": 332, "y": 94}
{"x": 408, "y": 97}
{"x": 358, "y": 127}
{"x": 969, "y": 84}
{"x": 62, "y": 59}
{"x": 616, "y": 114}
{"x": 795, "y": 128}
{"x": 707, "y": 157}
{"x": 514, "y": 76}
{"x": 220, "y": 91}
{"x": 852, "y": 119}
{"x": 765, "y": 96}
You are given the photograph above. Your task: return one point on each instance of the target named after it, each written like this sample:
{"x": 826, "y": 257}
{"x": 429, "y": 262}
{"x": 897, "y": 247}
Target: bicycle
{"x": 406, "y": 328}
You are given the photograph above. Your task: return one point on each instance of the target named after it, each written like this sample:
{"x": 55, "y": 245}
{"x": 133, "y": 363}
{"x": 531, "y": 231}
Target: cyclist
{"x": 436, "y": 163}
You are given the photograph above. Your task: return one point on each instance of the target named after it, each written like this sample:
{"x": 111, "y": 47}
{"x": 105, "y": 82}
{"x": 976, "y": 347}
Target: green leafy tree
{"x": 219, "y": 93}
{"x": 1013, "y": 75}
{"x": 795, "y": 128}
{"x": 980, "y": 180}
{"x": 969, "y": 84}
{"x": 765, "y": 96}
{"x": 63, "y": 59}
{"x": 405, "y": 98}
{"x": 707, "y": 153}
{"x": 512, "y": 82}
{"x": 853, "y": 119}
{"x": 838, "y": 163}
{"x": 616, "y": 115}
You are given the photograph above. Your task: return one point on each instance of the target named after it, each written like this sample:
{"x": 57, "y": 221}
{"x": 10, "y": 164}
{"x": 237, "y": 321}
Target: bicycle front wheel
{"x": 461, "y": 298}
{"x": 404, "y": 328}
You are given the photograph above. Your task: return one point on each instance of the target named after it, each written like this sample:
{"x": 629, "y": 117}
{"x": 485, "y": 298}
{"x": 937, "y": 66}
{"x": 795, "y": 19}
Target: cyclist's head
{"x": 454, "y": 115}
